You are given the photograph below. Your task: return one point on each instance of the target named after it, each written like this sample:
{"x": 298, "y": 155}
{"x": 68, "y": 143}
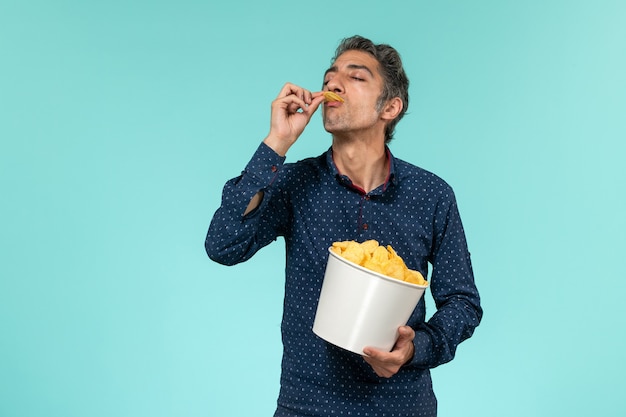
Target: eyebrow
{"x": 350, "y": 66}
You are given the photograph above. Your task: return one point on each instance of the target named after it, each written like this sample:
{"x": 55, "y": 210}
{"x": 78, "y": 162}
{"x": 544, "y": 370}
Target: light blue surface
{"x": 120, "y": 121}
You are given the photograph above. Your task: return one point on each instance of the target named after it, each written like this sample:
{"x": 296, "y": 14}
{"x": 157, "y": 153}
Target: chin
{"x": 331, "y": 127}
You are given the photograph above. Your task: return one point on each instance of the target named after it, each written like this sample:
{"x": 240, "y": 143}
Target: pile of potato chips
{"x": 377, "y": 258}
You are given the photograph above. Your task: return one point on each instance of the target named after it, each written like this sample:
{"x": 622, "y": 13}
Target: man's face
{"x": 356, "y": 78}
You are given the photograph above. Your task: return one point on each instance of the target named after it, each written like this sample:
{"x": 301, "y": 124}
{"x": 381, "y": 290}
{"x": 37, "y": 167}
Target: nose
{"x": 334, "y": 84}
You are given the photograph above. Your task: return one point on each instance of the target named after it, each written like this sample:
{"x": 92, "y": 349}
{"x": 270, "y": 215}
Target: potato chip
{"x": 375, "y": 257}
{"x": 330, "y": 96}
{"x": 354, "y": 252}
{"x": 339, "y": 247}
{"x": 369, "y": 246}
{"x": 414, "y": 277}
{"x": 394, "y": 269}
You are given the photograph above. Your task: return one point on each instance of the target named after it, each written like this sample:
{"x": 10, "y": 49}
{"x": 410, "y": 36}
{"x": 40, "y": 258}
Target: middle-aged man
{"x": 357, "y": 190}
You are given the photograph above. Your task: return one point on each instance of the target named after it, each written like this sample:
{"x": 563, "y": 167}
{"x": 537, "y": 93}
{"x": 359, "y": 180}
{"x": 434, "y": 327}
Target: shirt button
{"x": 365, "y": 226}
{"x": 274, "y": 169}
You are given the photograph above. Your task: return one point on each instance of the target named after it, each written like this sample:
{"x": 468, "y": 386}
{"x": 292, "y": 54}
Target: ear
{"x": 392, "y": 109}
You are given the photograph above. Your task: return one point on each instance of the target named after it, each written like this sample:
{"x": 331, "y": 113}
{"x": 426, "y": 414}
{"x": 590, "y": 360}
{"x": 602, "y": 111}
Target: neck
{"x": 365, "y": 163}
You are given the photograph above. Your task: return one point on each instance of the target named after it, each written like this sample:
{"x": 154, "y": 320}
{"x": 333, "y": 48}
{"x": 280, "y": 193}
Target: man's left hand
{"x": 387, "y": 364}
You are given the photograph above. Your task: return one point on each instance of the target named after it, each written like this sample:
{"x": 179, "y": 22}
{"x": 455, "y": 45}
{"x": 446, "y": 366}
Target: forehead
{"x": 356, "y": 59}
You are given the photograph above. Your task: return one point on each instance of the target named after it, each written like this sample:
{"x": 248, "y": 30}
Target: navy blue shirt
{"x": 311, "y": 205}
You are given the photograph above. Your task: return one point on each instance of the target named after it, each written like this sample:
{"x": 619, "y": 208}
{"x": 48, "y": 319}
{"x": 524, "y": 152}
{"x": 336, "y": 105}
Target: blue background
{"x": 121, "y": 120}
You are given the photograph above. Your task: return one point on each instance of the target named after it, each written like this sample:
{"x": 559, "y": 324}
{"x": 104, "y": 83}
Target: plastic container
{"x": 359, "y": 307}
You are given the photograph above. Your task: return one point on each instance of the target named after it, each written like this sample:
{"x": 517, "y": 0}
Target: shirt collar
{"x": 344, "y": 180}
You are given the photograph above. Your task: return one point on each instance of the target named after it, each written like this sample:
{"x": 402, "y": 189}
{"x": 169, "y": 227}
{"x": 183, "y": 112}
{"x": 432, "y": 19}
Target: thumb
{"x": 406, "y": 334}
{"x": 315, "y": 103}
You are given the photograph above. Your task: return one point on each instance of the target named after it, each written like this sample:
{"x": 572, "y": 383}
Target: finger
{"x": 374, "y": 354}
{"x": 296, "y": 104}
{"x": 404, "y": 345}
{"x": 375, "y": 364}
{"x": 405, "y": 334}
{"x": 294, "y": 107}
{"x": 287, "y": 90}
{"x": 382, "y": 370}
{"x": 307, "y": 96}
{"x": 291, "y": 103}
{"x": 292, "y": 89}
{"x": 406, "y": 331}
{"x": 314, "y": 105}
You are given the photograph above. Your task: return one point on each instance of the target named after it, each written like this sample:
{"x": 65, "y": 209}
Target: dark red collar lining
{"x": 356, "y": 187}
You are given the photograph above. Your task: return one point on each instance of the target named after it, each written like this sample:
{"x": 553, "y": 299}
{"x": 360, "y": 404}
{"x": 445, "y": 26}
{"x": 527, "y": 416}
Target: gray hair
{"x": 396, "y": 83}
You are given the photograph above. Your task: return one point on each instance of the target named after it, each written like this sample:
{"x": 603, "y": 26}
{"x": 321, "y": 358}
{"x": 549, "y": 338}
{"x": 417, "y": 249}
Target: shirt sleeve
{"x": 454, "y": 292}
{"x": 233, "y": 237}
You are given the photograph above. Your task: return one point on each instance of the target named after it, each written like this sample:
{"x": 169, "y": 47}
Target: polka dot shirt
{"x": 310, "y": 204}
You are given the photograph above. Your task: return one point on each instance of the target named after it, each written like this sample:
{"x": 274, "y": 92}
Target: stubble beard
{"x": 334, "y": 124}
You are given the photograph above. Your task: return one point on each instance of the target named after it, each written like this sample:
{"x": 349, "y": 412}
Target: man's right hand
{"x": 291, "y": 112}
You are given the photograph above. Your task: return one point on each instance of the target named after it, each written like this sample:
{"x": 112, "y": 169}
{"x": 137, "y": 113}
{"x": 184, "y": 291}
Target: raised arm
{"x": 291, "y": 112}
{"x": 253, "y": 211}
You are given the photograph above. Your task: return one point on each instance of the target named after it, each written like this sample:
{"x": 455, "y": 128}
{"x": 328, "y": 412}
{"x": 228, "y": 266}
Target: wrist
{"x": 279, "y": 146}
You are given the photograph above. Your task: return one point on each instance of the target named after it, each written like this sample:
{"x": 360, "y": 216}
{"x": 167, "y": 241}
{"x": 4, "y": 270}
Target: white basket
{"x": 359, "y": 307}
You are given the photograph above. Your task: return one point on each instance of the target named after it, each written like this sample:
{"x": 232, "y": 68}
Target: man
{"x": 357, "y": 190}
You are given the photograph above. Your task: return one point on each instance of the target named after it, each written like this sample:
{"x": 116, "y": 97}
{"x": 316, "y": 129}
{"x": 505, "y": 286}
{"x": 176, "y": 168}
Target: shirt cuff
{"x": 265, "y": 164}
{"x": 422, "y": 355}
